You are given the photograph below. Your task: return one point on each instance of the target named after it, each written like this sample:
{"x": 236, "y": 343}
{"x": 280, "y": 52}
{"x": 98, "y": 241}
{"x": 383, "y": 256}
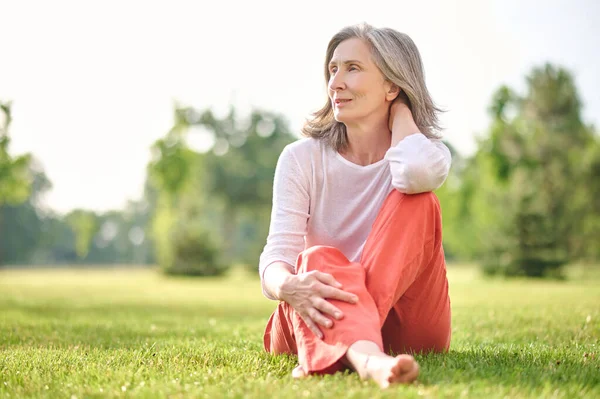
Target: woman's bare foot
{"x": 386, "y": 370}
{"x": 299, "y": 372}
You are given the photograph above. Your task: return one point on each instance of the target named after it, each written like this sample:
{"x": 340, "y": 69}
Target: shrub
{"x": 194, "y": 252}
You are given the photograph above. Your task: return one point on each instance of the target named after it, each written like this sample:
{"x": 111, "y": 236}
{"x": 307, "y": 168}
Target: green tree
{"x": 122, "y": 236}
{"x": 24, "y": 221}
{"x": 173, "y": 176}
{"x": 56, "y": 245}
{"x": 224, "y": 193}
{"x": 528, "y": 183}
{"x": 14, "y": 170}
{"x": 241, "y": 176}
{"x": 85, "y": 226}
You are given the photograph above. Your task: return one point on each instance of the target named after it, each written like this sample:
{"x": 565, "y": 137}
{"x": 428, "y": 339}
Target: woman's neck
{"x": 367, "y": 143}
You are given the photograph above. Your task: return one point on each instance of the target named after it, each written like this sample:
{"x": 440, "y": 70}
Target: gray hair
{"x": 398, "y": 59}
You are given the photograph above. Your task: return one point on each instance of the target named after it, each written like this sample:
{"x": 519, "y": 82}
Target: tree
{"x": 14, "y": 171}
{"x": 85, "y": 226}
{"x": 24, "y": 221}
{"x": 241, "y": 176}
{"x": 223, "y": 193}
{"x": 528, "y": 182}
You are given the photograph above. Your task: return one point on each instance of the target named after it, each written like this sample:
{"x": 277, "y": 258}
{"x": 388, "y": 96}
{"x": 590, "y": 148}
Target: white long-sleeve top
{"x": 321, "y": 198}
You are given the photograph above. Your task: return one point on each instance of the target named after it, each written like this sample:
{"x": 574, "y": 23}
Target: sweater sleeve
{"x": 289, "y": 214}
{"x": 418, "y": 164}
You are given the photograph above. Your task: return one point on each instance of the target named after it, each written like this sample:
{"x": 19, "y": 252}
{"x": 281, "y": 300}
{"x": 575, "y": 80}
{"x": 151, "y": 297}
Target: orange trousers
{"x": 401, "y": 284}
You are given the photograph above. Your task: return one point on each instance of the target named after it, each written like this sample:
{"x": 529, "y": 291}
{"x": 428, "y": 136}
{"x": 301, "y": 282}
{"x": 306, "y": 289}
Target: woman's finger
{"x": 326, "y": 307}
{"x": 318, "y": 318}
{"x": 334, "y": 293}
{"x": 328, "y": 279}
{"x": 312, "y": 326}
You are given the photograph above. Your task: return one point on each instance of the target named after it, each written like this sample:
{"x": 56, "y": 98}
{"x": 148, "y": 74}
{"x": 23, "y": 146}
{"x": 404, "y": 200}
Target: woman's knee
{"x": 321, "y": 257}
{"x": 409, "y": 211}
{"x": 416, "y": 203}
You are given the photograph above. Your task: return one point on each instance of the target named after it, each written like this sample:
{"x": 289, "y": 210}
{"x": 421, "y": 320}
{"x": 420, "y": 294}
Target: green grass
{"x": 118, "y": 333}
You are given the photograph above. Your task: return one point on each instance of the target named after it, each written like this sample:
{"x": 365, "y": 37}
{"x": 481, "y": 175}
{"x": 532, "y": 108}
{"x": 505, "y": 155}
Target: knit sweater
{"x": 321, "y": 198}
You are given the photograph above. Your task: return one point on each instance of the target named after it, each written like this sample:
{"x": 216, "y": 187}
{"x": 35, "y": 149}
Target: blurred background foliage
{"x": 526, "y": 203}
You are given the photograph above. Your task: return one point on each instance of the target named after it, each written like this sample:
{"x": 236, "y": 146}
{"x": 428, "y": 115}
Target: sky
{"x": 94, "y": 84}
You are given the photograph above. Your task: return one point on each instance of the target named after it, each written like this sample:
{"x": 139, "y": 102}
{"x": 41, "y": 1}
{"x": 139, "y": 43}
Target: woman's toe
{"x": 298, "y": 372}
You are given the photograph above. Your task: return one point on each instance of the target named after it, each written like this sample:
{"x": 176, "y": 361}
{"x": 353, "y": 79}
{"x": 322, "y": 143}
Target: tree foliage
{"x": 525, "y": 203}
{"x": 215, "y": 204}
{"x": 14, "y": 170}
{"x": 85, "y": 226}
{"x": 528, "y": 192}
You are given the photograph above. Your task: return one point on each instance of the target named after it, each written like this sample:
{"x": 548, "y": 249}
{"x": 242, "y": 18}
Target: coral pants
{"x": 401, "y": 284}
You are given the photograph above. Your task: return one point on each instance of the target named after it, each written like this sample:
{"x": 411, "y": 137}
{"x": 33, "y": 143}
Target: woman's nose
{"x": 336, "y": 82}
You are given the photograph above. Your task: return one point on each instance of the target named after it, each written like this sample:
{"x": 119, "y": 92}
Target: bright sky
{"x": 93, "y": 86}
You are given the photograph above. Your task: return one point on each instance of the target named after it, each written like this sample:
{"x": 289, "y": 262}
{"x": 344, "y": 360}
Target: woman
{"x": 354, "y": 252}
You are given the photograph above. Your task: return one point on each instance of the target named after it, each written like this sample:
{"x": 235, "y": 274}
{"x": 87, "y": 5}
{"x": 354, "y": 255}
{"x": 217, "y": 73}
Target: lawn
{"x": 134, "y": 333}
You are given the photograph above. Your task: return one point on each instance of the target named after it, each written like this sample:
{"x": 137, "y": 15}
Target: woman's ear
{"x": 393, "y": 92}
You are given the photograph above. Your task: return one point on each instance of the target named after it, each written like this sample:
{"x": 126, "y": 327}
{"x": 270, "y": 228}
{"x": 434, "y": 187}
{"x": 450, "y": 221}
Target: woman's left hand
{"x": 401, "y": 122}
{"x": 400, "y": 113}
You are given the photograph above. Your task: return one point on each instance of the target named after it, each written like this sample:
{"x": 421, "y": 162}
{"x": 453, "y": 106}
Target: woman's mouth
{"x": 340, "y": 102}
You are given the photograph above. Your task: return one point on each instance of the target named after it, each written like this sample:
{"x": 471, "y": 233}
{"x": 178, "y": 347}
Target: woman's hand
{"x": 307, "y": 294}
{"x": 400, "y": 112}
{"x": 401, "y": 122}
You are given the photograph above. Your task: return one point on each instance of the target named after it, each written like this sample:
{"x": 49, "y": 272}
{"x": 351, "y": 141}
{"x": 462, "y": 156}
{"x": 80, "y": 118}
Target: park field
{"x": 135, "y": 333}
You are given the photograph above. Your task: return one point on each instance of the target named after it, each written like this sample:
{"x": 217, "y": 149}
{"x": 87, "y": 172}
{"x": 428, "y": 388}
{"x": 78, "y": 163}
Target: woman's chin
{"x": 340, "y": 117}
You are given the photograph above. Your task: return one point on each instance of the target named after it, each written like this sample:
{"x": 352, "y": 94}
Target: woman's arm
{"x": 289, "y": 222}
{"x": 417, "y": 164}
{"x": 274, "y": 277}
{"x": 305, "y": 292}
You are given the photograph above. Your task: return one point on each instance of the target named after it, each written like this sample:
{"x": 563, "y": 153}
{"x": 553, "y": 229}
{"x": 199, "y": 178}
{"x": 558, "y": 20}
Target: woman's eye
{"x": 353, "y": 68}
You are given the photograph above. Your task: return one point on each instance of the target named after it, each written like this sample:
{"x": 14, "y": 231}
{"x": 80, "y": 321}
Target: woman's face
{"x": 357, "y": 88}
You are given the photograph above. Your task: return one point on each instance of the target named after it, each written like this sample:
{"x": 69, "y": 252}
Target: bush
{"x": 537, "y": 267}
{"x": 194, "y": 252}
{"x": 524, "y": 267}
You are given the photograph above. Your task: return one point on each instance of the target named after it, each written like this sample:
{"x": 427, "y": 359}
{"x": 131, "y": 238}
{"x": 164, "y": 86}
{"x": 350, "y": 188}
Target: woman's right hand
{"x": 308, "y": 292}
